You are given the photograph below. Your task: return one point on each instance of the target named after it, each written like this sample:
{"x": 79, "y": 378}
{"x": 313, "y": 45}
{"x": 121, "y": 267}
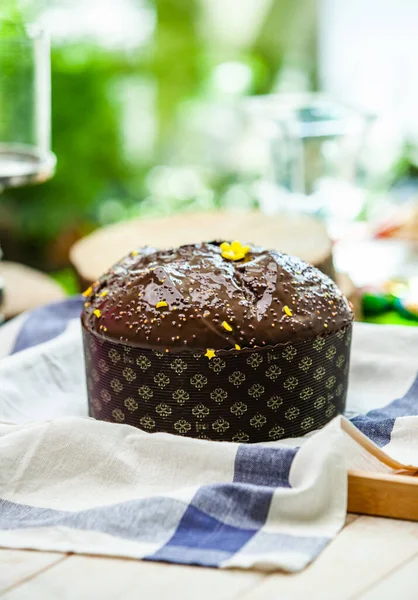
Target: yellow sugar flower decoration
{"x": 234, "y": 250}
{"x": 210, "y": 353}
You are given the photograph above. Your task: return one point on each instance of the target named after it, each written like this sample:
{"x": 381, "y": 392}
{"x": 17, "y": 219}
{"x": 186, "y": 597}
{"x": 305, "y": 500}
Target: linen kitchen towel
{"x": 70, "y": 483}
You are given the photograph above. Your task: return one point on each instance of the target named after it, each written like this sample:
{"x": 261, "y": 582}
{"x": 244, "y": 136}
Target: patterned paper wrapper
{"x": 248, "y": 395}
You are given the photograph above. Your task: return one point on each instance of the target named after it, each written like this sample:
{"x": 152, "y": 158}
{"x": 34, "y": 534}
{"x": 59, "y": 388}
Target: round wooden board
{"x": 301, "y": 236}
{"x": 26, "y": 288}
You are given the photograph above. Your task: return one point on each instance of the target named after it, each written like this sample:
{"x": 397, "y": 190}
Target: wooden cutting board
{"x": 301, "y": 236}
{"x": 26, "y": 289}
{"x": 383, "y": 495}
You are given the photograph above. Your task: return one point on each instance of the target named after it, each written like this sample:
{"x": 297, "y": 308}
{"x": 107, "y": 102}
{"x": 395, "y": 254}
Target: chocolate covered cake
{"x": 217, "y": 340}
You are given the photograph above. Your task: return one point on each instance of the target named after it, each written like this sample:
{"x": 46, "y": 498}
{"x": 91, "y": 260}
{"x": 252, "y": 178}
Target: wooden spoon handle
{"x": 372, "y": 448}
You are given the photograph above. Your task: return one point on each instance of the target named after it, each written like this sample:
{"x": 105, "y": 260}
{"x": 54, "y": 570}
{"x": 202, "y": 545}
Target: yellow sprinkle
{"x": 237, "y": 347}
{"x": 287, "y": 311}
{"x": 103, "y": 294}
{"x": 88, "y": 291}
{"x": 160, "y": 304}
{"x": 325, "y": 325}
{"x": 210, "y": 353}
{"x": 134, "y": 253}
{"x": 226, "y": 326}
{"x": 97, "y": 313}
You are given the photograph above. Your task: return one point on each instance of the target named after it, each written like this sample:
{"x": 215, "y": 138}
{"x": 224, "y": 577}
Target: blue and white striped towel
{"x": 69, "y": 483}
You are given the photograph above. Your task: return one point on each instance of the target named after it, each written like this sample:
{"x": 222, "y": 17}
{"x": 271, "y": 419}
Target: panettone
{"x": 217, "y": 340}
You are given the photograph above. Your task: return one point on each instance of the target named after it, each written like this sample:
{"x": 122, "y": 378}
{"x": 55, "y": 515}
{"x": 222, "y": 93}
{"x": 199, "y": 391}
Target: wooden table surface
{"x": 372, "y": 559}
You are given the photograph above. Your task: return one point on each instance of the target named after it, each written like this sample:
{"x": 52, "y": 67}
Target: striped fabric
{"x": 69, "y": 483}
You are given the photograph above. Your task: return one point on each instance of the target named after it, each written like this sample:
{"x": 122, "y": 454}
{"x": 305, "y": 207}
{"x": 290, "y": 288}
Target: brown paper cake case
{"x": 247, "y": 395}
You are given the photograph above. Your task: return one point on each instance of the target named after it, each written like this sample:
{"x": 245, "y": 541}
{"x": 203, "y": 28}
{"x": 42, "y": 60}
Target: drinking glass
{"x": 313, "y": 147}
{"x": 25, "y": 107}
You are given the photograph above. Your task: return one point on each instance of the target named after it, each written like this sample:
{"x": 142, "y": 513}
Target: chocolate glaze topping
{"x": 207, "y": 301}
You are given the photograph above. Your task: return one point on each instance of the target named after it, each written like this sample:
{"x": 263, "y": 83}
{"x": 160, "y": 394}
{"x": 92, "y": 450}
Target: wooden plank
{"x": 84, "y": 578}
{"x": 357, "y": 559}
{"x": 383, "y": 495}
{"x": 19, "y": 565}
{"x": 350, "y": 518}
{"x": 234, "y": 582}
{"x": 402, "y": 583}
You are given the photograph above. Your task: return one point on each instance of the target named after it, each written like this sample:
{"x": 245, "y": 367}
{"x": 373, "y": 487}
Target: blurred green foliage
{"x": 86, "y": 138}
{"x": 97, "y": 179}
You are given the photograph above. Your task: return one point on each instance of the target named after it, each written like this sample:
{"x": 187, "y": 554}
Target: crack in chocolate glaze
{"x": 264, "y": 299}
